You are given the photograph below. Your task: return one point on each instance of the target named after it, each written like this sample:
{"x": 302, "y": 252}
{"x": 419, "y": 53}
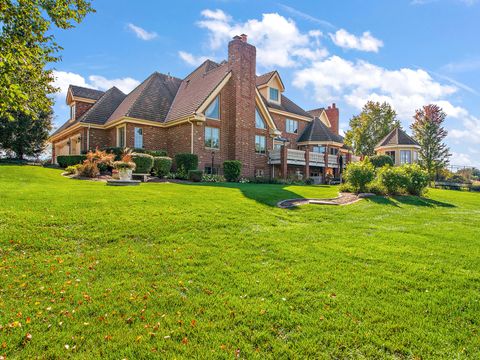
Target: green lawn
{"x": 204, "y": 271}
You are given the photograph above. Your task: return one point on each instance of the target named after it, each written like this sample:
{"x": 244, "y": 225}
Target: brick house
{"x": 220, "y": 111}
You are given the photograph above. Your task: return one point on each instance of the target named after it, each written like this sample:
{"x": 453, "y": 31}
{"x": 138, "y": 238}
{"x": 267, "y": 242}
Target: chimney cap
{"x": 243, "y": 37}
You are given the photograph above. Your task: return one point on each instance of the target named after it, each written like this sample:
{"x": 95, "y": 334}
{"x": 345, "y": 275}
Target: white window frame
{"x": 124, "y": 136}
{"x": 138, "y": 142}
{"x": 289, "y": 129}
{"x": 209, "y": 130}
{"x": 217, "y": 99}
{"x": 259, "y": 142}
{"x": 73, "y": 110}
{"x": 408, "y": 159}
{"x": 277, "y": 100}
{"x": 415, "y": 156}
{"x": 322, "y": 147}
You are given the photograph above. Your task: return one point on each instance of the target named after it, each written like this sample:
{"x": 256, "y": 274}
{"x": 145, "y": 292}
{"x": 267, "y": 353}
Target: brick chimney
{"x": 333, "y": 116}
{"x": 242, "y": 64}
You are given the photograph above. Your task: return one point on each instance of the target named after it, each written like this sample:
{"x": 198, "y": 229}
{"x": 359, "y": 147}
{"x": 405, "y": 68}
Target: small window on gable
{"x": 72, "y": 111}
{"x": 259, "y": 122}
{"x": 213, "y": 110}
{"x": 274, "y": 94}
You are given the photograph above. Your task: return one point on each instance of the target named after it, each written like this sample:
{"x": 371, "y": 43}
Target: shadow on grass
{"x": 408, "y": 200}
{"x": 266, "y": 194}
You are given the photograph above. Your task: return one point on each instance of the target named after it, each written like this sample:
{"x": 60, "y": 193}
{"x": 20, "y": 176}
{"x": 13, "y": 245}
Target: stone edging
{"x": 342, "y": 199}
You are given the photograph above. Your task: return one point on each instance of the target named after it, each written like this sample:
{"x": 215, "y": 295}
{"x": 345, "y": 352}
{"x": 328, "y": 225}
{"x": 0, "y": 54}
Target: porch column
{"x": 307, "y": 163}
{"x": 283, "y": 161}
{"x": 326, "y": 165}
{"x": 53, "y": 153}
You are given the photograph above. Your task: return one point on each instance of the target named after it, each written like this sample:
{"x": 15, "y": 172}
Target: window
{"x": 415, "y": 156}
{"x": 260, "y": 144}
{"x": 391, "y": 154}
{"x": 213, "y": 110}
{"x": 319, "y": 149}
{"x": 259, "y": 122}
{"x": 405, "y": 156}
{"x": 138, "y": 137}
{"x": 211, "y": 171}
{"x": 121, "y": 137}
{"x": 273, "y": 94}
{"x": 212, "y": 138}
{"x": 333, "y": 151}
{"x": 259, "y": 172}
{"x": 291, "y": 126}
{"x": 277, "y": 145}
{"x": 72, "y": 112}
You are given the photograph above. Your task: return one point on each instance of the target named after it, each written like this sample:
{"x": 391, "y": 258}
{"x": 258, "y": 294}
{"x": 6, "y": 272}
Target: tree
{"x": 26, "y": 48}
{"x": 369, "y": 127}
{"x": 26, "y": 135}
{"x": 428, "y": 131}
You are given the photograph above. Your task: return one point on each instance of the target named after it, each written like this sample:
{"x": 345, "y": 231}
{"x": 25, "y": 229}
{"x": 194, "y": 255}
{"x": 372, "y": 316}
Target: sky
{"x": 407, "y": 52}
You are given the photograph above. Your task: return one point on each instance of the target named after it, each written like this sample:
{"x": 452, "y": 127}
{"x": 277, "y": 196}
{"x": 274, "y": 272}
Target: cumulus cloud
{"x": 357, "y": 82}
{"x": 142, "y": 33}
{"x": 191, "y": 59}
{"x": 278, "y": 40}
{"x": 64, "y": 78}
{"x": 366, "y": 42}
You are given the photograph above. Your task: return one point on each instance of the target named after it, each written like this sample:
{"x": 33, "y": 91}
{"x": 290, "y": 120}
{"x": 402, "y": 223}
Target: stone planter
{"x": 125, "y": 174}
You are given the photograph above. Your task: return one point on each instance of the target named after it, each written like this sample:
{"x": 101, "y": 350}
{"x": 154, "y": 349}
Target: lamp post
{"x": 213, "y": 160}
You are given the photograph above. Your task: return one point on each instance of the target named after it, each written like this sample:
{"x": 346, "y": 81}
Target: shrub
{"x": 143, "y": 162}
{"x": 417, "y": 179}
{"x": 346, "y": 187}
{"x": 65, "y": 161}
{"x": 375, "y": 187}
{"x": 232, "y": 169}
{"x": 88, "y": 169}
{"x": 475, "y": 187}
{"x": 162, "y": 165}
{"x": 72, "y": 169}
{"x": 129, "y": 165}
{"x": 309, "y": 181}
{"x": 186, "y": 162}
{"x": 195, "y": 175}
{"x": 379, "y": 161}
{"x": 117, "y": 151}
{"x": 150, "y": 152}
{"x": 359, "y": 174}
{"x": 212, "y": 178}
{"x": 393, "y": 179}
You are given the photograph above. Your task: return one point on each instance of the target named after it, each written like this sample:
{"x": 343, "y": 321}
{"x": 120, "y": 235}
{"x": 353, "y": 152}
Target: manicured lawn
{"x": 206, "y": 271}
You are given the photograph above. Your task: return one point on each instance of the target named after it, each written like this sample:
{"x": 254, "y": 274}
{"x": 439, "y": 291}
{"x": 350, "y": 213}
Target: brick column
{"x": 307, "y": 163}
{"x": 283, "y": 161}
{"x": 326, "y": 165}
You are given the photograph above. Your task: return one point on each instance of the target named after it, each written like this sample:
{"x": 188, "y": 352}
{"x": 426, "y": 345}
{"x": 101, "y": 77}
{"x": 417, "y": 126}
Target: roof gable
{"x": 269, "y": 79}
{"x": 317, "y": 131}
{"x": 83, "y": 92}
{"x": 397, "y": 137}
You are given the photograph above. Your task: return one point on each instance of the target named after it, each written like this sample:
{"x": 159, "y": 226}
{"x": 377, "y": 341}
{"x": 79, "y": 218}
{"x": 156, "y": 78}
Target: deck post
{"x": 283, "y": 161}
{"x": 307, "y": 164}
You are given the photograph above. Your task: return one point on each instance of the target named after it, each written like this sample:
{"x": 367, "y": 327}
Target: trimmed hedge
{"x": 195, "y": 175}
{"x": 150, "y": 152}
{"x": 232, "y": 169}
{"x": 379, "y": 161}
{"x": 393, "y": 179}
{"x": 65, "y": 161}
{"x": 162, "y": 166}
{"x": 144, "y": 163}
{"x": 186, "y": 162}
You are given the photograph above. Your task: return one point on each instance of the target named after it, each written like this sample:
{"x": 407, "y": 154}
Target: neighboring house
{"x": 220, "y": 111}
{"x": 399, "y": 146}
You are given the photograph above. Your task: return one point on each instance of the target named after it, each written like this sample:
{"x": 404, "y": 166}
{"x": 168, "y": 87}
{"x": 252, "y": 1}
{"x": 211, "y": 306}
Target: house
{"x": 402, "y": 148}
{"x": 220, "y": 111}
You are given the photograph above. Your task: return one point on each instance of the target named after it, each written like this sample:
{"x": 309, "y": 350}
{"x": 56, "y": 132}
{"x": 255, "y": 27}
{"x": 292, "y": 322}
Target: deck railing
{"x": 297, "y": 157}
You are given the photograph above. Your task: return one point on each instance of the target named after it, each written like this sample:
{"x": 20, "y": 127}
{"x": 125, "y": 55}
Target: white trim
{"x": 213, "y": 95}
{"x": 397, "y": 147}
{"x": 289, "y": 114}
{"x": 124, "y": 126}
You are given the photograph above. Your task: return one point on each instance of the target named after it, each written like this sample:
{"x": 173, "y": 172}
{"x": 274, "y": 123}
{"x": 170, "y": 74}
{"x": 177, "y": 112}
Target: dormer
{"x": 81, "y": 99}
{"x": 271, "y": 87}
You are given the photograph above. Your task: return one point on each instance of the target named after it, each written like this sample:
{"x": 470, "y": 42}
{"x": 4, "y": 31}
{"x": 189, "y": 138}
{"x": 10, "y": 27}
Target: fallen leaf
{"x": 193, "y": 322}
{"x": 185, "y": 341}
{"x": 28, "y": 337}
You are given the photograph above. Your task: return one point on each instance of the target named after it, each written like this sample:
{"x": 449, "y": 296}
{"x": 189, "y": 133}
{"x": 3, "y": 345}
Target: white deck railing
{"x": 274, "y": 156}
{"x": 317, "y": 159}
{"x": 296, "y": 156}
{"x": 332, "y": 161}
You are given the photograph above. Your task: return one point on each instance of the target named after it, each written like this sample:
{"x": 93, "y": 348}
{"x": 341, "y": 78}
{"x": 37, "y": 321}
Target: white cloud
{"x": 191, "y": 59}
{"x": 142, "y": 33}
{"x": 462, "y": 159}
{"x": 466, "y": 65}
{"x": 357, "y": 82}
{"x": 64, "y": 78}
{"x": 278, "y": 40}
{"x": 346, "y": 40}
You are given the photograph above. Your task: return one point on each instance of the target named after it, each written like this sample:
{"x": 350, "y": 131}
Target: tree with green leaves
{"x": 369, "y": 127}
{"x": 26, "y": 135}
{"x": 429, "y": 132}
{"x": 27, "y": 46}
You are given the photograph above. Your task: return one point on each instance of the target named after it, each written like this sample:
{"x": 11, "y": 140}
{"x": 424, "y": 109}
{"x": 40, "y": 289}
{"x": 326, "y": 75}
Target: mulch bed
{"x": 343, "y": 199}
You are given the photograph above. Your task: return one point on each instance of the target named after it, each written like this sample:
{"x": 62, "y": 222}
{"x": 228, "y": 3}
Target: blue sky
{"x": 409, "y": 53}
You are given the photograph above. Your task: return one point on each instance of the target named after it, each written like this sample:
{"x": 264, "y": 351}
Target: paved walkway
{"x": 343, "y": 199}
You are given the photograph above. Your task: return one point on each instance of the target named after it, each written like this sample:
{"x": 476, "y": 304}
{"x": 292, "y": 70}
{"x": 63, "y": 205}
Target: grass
{"x": 217, "y": 271}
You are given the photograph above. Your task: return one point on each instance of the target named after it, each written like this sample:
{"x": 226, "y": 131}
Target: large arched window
{"x": 213, "y": 110}
{"x": 259, "y": 121}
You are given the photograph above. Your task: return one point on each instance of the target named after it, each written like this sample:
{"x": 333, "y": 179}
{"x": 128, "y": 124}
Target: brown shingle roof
{"x": 288, "y": 106}
{"x": 195, "y": 88}
{"x": 150, "y": 100}
{"x": 316, "y": 130}
{"x": 85, "y": 92}
{"x": 397, "y": 137}
{"x": 265, "y": 78}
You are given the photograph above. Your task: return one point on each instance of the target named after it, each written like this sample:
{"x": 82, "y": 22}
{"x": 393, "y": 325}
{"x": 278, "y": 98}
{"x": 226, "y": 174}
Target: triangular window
{"x": 213, "y": 110}
{"x": 259, "y": 122}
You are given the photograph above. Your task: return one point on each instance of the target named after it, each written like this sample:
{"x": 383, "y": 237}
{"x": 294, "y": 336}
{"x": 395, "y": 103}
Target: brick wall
{"x": 280, "y": 121}
{"x": 81, "y": 108}
{"x": 334, "y": 117}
